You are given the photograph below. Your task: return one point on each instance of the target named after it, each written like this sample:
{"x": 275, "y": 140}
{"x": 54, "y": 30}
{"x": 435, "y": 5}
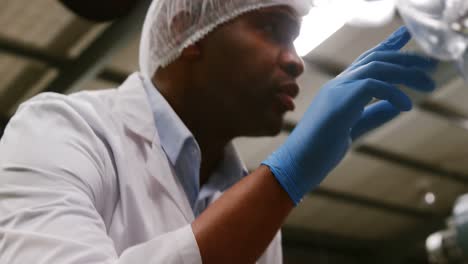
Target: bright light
{"x": 328, "y": 16}
{"x": 371, "y": 13}
{"x": 429, "y": 198}
{"x": 434, "y": 241}
{"x": 317, "y": 27}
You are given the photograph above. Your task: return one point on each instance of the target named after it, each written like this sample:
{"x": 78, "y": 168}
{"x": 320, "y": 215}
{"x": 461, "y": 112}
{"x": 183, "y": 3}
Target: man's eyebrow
{"x": 283, "y": 14}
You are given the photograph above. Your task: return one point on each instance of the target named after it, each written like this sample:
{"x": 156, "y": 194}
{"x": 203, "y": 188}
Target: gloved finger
{"x": 371, "y": 88}
{"x": 404, "y": 59}
{"x": 394, "y": 74}
{"x": 395, "y": 41}
{"x": 374, "y": 116}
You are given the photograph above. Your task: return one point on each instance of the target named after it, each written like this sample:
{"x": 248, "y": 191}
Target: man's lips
{"x": 286, "y": 94}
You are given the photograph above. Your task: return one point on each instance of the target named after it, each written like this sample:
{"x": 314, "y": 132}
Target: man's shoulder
{"x": 84, "y": 99}
{"x": 104, "y": 112}
{"x": 83, "y": 112}
{"x": 97, "y": 102}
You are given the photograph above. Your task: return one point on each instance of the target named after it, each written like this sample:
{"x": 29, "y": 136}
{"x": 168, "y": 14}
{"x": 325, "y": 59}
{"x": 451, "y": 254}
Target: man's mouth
{"x": 286, "y": 94}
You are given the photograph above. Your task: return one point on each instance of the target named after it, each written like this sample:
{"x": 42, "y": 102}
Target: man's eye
{"x": 278, "y": 34}
{"x": 269, "y": 28}
{"x": 275, "y": 32}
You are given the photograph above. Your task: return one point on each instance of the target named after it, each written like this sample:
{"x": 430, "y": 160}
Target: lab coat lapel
{"x": 133, "y": 106}
{"x": 159, "y": 167}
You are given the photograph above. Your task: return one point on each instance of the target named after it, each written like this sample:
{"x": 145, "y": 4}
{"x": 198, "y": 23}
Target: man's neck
{"x": 212, "y": 154}
{"x": 210, "y": 136}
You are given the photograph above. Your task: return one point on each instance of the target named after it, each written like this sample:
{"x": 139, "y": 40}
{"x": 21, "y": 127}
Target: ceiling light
{"x": 317, "y": 26}
{"x": 429, "y": 198}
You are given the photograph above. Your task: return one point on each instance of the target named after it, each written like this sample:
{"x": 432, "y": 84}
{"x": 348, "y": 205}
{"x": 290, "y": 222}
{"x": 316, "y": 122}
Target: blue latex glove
{"x": 338, "y": 114}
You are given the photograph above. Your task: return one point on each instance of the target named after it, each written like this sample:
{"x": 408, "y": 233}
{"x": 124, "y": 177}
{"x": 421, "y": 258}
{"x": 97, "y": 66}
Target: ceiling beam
{"x": 294, "y": 237}
{"x": 51, "y": 60}
{"x": 92, "y": 60}
{"x": 326, "y": 66}
{"x": 411, "y": 163}
{"x": 34, "y": 71}
{"x": 306, "y": 246}
{"x": 113, "y": 75}
{"x": 28, "y": 52}
{"x": 375, "y": 204}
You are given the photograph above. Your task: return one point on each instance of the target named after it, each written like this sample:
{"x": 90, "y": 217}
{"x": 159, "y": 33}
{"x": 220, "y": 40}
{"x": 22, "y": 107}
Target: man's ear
{"x": 180, "y": 23}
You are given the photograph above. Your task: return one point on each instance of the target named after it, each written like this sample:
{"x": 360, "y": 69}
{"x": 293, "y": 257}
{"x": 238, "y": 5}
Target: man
{"x": 131, "y": 175}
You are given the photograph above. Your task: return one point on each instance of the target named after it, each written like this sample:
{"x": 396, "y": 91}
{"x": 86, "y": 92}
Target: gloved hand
{"x": 338, "y": 114}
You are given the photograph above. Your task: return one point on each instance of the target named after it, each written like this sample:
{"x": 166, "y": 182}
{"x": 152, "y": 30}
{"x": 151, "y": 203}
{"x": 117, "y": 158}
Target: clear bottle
{"x": 439, "y": 26}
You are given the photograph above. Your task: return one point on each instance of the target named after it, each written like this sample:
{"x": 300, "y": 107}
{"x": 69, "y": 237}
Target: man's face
{"x": 248, "y": 70}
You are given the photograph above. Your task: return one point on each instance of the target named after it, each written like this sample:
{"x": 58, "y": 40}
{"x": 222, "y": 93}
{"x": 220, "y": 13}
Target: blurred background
{"x": 395, "y": 187}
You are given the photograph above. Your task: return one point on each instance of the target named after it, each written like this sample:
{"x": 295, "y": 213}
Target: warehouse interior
{"x": 395, "y": 187}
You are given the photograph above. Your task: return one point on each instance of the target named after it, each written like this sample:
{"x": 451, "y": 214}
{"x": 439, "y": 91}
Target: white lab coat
{"x": 83, "y": 179}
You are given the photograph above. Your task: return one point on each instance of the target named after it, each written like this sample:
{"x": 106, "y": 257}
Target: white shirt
{"x": 84, "y": 179}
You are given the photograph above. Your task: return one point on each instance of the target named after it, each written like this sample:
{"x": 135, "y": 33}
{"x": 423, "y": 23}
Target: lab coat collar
{"x": 133, "y": 107}
{"x": 176, "y": 139}
{"x": 173, "y": 133}
{"x": 135, "y": 110}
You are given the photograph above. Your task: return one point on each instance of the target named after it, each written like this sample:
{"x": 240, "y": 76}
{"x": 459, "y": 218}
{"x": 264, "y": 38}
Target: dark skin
{"x": 227, "y": 85}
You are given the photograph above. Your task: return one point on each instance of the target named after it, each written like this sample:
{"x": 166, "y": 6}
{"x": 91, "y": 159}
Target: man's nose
{"x": 291, "y": 63}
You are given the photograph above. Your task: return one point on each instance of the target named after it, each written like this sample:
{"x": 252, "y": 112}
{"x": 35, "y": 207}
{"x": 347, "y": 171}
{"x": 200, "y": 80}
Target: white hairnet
{"x": 160, "y": 45}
